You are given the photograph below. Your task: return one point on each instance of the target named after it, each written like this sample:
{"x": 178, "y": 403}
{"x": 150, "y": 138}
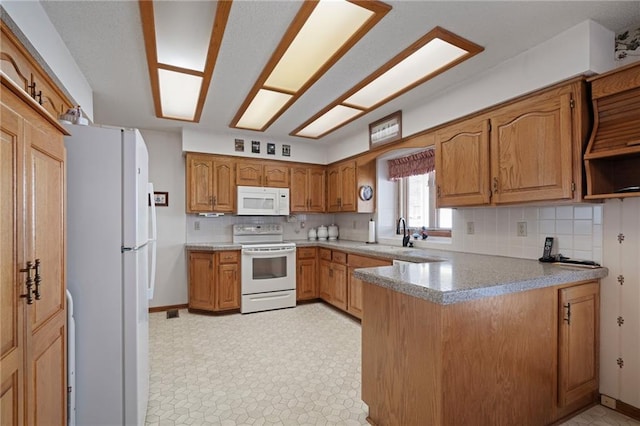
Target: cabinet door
{"x": 326, "y": 285}
{"x": 12, "y": 350}
{"x": 316, "y": 190}
{"x": 276, "y": 176}
{"x": 354, "y": 305}
{"x": 298, "y": 197}
{"x": 200, "y": 190}
{"x": 201, "y": 280}
{"x": 46, "y": 318}
{"x": 228, "y": 287}
{"x": 338, "y": 276}
{"x": 248, "y": 173}
{"x": 578, "y": 346}
{"x": 348, "y": 193}
{"x": 334, "y": 189}
{"x": 531, "y": 145}
{"x": 224, "y": 189}
{"x": 462, "y": 164}
{"x": 306, "y": 287}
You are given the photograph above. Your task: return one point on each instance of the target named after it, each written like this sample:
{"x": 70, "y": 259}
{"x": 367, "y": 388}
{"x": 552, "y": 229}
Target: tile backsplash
{"x": 577, "y": 231}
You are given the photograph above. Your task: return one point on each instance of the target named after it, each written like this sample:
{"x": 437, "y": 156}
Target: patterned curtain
{"x": 418, "y": 163}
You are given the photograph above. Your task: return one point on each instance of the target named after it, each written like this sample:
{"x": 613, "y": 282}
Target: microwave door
{"x": 257, "y": 204}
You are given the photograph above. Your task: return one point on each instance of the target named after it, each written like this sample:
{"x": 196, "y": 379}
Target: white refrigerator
{"x": 110, "y": 272}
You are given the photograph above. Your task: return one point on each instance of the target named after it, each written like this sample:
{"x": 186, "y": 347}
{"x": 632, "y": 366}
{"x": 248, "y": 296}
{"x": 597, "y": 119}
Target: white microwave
{"x": 261, "y": 201}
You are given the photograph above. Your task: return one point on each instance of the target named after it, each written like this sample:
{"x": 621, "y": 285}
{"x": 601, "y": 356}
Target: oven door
{"x": 268, "y": 269}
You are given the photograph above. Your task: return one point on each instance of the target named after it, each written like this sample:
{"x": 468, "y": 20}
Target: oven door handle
{"x": 268, "y": 252}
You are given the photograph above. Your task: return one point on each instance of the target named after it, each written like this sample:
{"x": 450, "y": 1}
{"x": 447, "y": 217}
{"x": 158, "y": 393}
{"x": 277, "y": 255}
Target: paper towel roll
{"x": 372, "y": 232}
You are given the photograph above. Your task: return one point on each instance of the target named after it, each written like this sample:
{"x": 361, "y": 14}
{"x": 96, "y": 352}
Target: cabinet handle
{"x": 495, "y": 185}
{"x": 37, "y": 279}
{"x": 568, "y": 317}
{"x": 28, "y": 283}
{"x": 438, "y": 191}
{"x": 215, "y": 200}
{"x": 211, "y": 200}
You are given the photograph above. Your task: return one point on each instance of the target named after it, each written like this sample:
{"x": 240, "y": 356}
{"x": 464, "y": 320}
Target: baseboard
{"x": 166, "y": 308}
{"x": 628, "y": 410}
{"x": 624, "y": 408}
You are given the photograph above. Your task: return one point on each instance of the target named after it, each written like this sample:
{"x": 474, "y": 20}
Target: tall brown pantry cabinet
{"x": 32, "y": 262}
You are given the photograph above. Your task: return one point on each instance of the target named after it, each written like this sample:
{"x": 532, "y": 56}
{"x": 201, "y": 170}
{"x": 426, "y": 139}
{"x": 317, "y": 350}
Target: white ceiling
{"x": 105, "y": 38}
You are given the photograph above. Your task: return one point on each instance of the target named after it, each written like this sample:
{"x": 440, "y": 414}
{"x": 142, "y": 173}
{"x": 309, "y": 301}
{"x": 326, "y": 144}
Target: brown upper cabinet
{"x": 210, "y": 185}
{"x": 612, "y": 158}
{"x": 257, "y": 173}
{"x": 341, "y": 187}
{"x": 307, "y": 192}
{"x": 524, "y": 151}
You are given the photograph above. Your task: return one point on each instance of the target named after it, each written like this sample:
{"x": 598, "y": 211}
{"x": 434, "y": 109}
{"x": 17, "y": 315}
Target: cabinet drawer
{"x": 339, "y": 257}
{"x": 325, "y": 254}
{"x": 229, "y": 256}
{"x": 306, "y": 252}
{"x": 356, "y": 261}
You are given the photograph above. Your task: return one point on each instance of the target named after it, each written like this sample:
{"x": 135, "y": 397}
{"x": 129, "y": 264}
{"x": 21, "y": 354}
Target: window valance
{"x": 418, "y": 163}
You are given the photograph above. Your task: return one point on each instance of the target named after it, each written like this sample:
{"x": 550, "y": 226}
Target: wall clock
{"x": 365, "y": 192}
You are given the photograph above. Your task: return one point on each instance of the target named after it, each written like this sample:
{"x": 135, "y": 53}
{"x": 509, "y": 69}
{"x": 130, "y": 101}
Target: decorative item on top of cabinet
{"x": 307, "y": 189}
{"x": 210, "y": 183}
{"x": 612, "y": 158}
{"x": 257, "y": 173}
{"x": 306, "y": 277}
{"x": 535, "y": 151}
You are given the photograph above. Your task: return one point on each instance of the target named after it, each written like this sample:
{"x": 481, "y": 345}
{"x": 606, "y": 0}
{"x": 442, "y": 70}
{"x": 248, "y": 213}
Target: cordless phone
{"x": 546, "y": 252}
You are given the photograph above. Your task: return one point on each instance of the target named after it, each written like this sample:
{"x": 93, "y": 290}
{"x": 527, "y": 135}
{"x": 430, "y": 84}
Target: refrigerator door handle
{"x": 153, "y": 241}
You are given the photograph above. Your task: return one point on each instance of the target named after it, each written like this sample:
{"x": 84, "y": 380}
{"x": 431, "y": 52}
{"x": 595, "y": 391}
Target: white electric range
{"x": 268, "y": 279}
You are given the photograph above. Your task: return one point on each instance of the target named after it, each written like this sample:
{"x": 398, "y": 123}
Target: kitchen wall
{"x": 166, "y": 171}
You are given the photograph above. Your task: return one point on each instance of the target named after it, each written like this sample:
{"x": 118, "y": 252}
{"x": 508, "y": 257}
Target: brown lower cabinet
{"x": 214, "y": 280}
{"x": 338, "y": 286}
{"x": 307, "y": 273}
{"x": 514, "y": 359}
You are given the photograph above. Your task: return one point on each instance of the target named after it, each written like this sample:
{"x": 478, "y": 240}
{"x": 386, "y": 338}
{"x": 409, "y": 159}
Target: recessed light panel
{"x": 262, "y": 108}
{"x": 333, "y": 118}
{"x": 320, "y": 34}
{"x": 179, "y": 94}
{"x": 432, "y": 54}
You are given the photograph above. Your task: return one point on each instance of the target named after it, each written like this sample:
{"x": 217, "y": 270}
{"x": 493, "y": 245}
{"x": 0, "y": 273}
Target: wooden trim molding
{"x": 167, "y": 308}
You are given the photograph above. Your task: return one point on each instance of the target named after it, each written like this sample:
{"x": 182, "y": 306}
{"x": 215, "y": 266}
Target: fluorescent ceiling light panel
{"x": 182, "y": 40}
{"x": 183, "y": 32}
{"x": 431, "y": 57}
{"x": 264, "y": 105}
{"x": 329, "y": 27}
{"x": 320, "y": 34}
{"x": 432, "y": 54}
{"x": 179, "y": 94}
{"x": 329, "y": 120}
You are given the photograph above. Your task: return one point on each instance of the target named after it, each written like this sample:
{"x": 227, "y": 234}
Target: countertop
{"x": 447, "y": 277}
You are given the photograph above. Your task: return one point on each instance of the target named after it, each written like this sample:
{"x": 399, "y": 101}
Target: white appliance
{"x": 261, "y": 201}
{"x": 109, "y": 272}
{"x": 268, "y": 279}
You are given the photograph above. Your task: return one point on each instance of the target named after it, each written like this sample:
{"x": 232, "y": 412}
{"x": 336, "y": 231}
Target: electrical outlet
{"x": 607, "y": 401}
{"x": 196, "y": 225}
{"x": 471, "y": 229}
{"x": 522, "y": 229}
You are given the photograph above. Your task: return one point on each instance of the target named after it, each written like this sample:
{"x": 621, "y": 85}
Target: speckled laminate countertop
{"x": 447, "y": 277}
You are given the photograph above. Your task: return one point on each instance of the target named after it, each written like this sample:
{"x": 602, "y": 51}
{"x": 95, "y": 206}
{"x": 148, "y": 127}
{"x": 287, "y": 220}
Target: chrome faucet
{"x": 405, "y": 236}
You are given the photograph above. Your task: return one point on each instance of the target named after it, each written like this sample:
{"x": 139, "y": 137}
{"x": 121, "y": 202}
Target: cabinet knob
{"x": 28, "y": 283}
{"x": 568, "y": 317}
{"x": 495, "y": 185}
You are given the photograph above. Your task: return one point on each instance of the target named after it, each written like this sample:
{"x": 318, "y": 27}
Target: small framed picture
{"x": 161, "y": 199}
{"x": 385, "y": 130}
{"x": 271, "y": 149}
{"x": 286, "y": 150}
{"x": 239, "y": 145}
{"x": 255, "y": 147}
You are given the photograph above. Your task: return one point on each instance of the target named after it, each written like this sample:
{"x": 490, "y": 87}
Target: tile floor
{"x": 289, "y": 367}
